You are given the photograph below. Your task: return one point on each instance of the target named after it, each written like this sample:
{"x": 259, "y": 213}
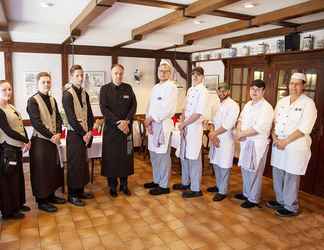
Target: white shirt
{"x": 162, "y": 106}
{"x": 301, "y": 115}
{"x": 226, "y": 117}
{"x": 258, "y": 116}
{"x": 196, "y": 102}
{"x": 289, "y": 117}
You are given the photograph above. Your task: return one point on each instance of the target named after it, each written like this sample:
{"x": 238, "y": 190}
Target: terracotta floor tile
{"x": 145, "y": 222}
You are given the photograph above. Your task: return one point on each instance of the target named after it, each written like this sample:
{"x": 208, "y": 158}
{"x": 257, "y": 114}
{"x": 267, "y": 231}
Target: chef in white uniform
{"x": 295, "y": 116}
{"x": 253, "y": 129}
{"x": 222, "y": 141}
{"x": 159, "y": 125}
{"x": 191, "y": 129}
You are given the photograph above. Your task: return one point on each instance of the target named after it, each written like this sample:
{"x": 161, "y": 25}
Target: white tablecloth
{"x": 94, "y": 152}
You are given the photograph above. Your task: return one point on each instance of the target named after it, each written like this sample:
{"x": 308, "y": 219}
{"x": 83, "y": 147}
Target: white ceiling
{"x": 29, "y": 22}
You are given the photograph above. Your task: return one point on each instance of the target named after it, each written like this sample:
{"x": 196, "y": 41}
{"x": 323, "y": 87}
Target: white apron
{"x": 301, "y": 115}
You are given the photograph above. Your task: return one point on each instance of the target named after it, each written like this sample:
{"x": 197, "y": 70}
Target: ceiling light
{"x": 198, "y": 22}
{"x": 46, "y": 4}
{"x": 249, "y": 5}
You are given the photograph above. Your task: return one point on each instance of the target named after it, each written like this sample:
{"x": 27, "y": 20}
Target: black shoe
{"x": 125, "y": 190}
{"x": 85, "y": 195}
{"x": 191, "y": 194}
{"x": 56, "y": 200}
{"x": 274, "y": 205}
{"x": 150, "y": 185}
{"x": 24, "y": 209}
{"x": 283, "y": 212}
{"x": 47, "y": 207}
{"x": 159, "y": 190}
{"x": 179, "y": 186}
{"x": 213, "y": 189}
{"x": 14, "y": 216}
{"x": 113, "y": 193}
{"x": 76, "y": 201}
{"x": 219, "y": 197}
{"x": 240, "y": 196}
{"x": 248, "y": 204}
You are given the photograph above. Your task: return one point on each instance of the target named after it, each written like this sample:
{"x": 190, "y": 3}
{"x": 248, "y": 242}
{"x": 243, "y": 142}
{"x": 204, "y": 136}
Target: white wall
{"x": 24, "y": 62}
{"x": 2, "y": 66}
{"x": 142, "y": 90}
{"x": 93, "y": 63}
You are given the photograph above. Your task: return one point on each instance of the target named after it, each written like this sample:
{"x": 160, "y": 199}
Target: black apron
{"x": 12, "y": 183}
{"x": 117, "y": 152}
{"x": 46, "y": 174}
{"x": 77, "y": 159}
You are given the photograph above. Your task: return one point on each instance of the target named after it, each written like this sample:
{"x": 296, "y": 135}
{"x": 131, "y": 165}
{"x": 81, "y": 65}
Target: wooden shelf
{"x": 264, "y": 55}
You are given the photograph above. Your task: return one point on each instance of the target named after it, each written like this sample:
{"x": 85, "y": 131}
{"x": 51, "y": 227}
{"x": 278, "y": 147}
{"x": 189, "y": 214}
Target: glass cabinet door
{"x": 283, "y": 80}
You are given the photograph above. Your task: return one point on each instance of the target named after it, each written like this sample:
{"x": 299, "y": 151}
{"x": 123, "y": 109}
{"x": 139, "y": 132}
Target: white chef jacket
{"x": 258, "y": 116}
{"x": 162, "y": 106}
{"x": 301, "y": 115}
{"x": 226, "y": 117}
{"x": 196, "y": 102}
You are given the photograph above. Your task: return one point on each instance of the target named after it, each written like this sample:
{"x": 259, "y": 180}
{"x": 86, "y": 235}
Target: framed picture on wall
{"x": 30, "y": 82}
{"x": 211, "y": 82}
{"x": 92, "y": 82}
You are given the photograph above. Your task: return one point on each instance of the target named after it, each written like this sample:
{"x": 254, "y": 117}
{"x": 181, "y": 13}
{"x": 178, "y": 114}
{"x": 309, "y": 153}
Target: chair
{"x": 205, "y": 150}
{"x": 144, "y": 139}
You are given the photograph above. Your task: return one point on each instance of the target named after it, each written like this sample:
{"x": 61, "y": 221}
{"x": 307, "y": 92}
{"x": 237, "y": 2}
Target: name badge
{"x": 126, "y": 96}
{"x": 159, "y": 98}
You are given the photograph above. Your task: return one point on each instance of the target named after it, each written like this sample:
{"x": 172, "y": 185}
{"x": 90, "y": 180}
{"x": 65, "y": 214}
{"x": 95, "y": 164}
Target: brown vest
{"x": 81, "y": 113}
{"x": 16, "y": 124}
{"x": 49, "y": 120}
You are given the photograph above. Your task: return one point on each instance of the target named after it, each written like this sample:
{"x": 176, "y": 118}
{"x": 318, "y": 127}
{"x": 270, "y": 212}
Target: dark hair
{"x": 42, "y": 74}
{"x": 74, "y": 68}
{"x": 117, "y": 65}
{"x": 258, "y": 83}
{"x": 199, "y": 70}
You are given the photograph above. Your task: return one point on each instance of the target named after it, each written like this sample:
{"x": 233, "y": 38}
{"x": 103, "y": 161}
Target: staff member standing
{"x": 158, "y": 122}
{"x": 191, "y": 129}
{"x": 118, "y": 106}
{"x": 295, "y": 116}
{"x": 221, "y": 137}
{"x": 46, "y": 174}
{"x": 13, "y": 140}
{"x": 80, "y": 118}
{"x": 253, "y": 130}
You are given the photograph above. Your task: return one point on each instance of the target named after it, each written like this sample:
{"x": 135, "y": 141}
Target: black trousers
{"x": 113, "y": 182}
{"x": 73, "y": 192}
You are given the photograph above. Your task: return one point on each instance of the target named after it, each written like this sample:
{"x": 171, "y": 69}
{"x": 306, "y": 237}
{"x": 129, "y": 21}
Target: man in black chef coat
{"x": 118, "y": 106}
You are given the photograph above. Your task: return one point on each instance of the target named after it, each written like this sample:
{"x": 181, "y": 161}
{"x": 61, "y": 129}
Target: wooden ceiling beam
{"x": 80, "y": 24}
{"x": 228, "y": 14}
{"x": 202, "y": 6}
{"x": 158, "y": 4}
{"x": 294, "y": 11}
{"x": 197, "y": 8}
{"x": 160, "y": 23}
{"x": 4, "y": 24}
{"x": 226, "y": 43}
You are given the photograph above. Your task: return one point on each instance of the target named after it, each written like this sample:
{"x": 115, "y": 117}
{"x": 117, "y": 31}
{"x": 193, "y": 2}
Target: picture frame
{"x": 30, "y": 82}
{"x": 211, "y": 82}
{"x": 92, "y": 82}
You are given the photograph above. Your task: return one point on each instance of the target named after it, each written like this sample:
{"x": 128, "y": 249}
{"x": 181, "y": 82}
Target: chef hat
{"x": 299, "y": 76}
{"x": 165, "y": 62}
